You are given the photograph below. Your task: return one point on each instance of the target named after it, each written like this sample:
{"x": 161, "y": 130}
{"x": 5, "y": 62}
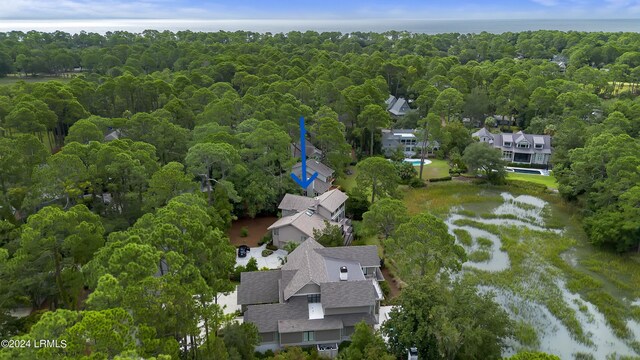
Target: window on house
{"x": 507, "y": 154}
{"x": 275, "y": 232}
{"x": 408, "y": 148}
{"x": 303, "y": 238}
{"x": 538, "y": 146}
{"x": 523, "y": 145}
{"x": 308, "y": 336}
{"x": 507, "y": 144}
{"x": 313, "y": 298}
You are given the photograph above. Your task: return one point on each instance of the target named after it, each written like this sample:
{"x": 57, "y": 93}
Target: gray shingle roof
{"x": 366, "y": 255}
{"x": 352, "y": 319}
{"x": 266, "y": 317}
{"x": 258, "y": 287}
{"x": 397, "y": 107}
{"x": 332, "y": 200}
{"x": 347, "y": 294}
{"x": 482, "y": 132}
{"x": 390, "y": 101}
{"x": 309, "y": 265}
{"x": 302, "y": 221}
{"x": 315, "y": 165}
{"x": 296, "y": 202}
{"x": 298, "y": 325}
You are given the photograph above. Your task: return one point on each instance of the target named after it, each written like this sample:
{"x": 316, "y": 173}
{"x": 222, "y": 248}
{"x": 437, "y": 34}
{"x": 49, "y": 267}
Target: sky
{"x": 316, "y": 9}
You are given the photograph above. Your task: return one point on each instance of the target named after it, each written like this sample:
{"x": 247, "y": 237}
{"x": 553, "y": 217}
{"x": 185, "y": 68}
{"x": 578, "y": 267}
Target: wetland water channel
{"x": 529, "y": 287}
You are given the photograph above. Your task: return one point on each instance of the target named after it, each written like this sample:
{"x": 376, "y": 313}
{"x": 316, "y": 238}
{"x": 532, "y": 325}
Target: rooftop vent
{"x": 343, "y": 273}
{"x": 310, "y": 212}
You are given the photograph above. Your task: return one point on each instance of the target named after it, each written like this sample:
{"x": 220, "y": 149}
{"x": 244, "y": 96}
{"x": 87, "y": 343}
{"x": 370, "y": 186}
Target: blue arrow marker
{"x": 304, "y": 182}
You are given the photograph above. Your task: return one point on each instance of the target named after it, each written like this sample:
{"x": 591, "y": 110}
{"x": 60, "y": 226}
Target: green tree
{"x": 166, "y": 183}
{"x": 481, "y": 157}
{"x": 447, "y": 320}
{"x": 83, "y": 131}
{"x": 378, "y": 175}
{"x": 329, "y": 136}
{"x": 448, "y": 104}
{"x": 242, "y": 338}
{"x": 423, "y": 246}
{"x": 385, "y": 216}
{"x": 373, "y": 117}
{"x": 329, "y": 236}
{"x": 211, "y": 161}
{"x": 365, "y": 344}
{"x": 53, "y": 245}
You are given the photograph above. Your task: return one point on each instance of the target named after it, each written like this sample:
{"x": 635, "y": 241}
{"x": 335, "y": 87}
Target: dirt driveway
{"x": 257, "y": 229}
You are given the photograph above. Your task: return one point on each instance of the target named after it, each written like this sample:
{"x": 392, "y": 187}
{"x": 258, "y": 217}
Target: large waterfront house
{"x": 407, "y": 141}
{"x": 315, "y": 299}
{"x": 302, "y": 214}
{"x": 519, "y": 148}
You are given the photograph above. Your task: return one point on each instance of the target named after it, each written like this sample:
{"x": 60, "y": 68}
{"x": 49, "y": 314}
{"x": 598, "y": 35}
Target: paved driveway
{"x": 272, "y": 261}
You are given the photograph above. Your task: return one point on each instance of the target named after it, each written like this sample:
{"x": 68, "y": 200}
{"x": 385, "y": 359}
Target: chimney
{"x": 343, "y": 273}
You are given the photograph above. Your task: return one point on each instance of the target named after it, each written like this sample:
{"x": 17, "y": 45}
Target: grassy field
{"x": 548, "y": 181}
{"x": 437, "y": 169}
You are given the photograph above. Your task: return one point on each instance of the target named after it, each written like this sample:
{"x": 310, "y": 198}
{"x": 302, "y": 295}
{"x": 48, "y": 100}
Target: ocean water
{"x": 278, "y": 25}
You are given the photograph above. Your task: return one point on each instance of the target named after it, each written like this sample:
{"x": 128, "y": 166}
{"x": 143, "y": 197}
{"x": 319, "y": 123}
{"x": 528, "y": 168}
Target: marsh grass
{"x": 463, "y": 237}
{"x": 479, "y": 256}
{"x": 439, "y": 198}
{"x": 537, "y": 266}
{"x": 526, "y": 334}
{"x": 484, "y": 243}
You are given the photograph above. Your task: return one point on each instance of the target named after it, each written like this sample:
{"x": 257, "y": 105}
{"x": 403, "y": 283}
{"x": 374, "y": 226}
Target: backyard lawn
{"x": 548, "y": 181}
{"x": 437, "y": 169}
{"x": 347, "y": 182}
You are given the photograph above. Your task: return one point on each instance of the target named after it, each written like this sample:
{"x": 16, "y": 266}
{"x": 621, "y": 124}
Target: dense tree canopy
{"x": 118, "y": 182}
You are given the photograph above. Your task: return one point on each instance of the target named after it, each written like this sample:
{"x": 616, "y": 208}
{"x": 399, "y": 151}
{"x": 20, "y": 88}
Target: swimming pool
{"x": 416, "y": 162}
{"x": 525, "y": 171}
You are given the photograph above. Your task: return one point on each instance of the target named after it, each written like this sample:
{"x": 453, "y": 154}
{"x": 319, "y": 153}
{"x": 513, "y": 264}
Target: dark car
{"x": 242, "y": 250}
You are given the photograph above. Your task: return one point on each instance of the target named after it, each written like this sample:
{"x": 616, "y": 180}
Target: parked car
{"x": 243, "y": 250}
{"x": 412, "y": 354}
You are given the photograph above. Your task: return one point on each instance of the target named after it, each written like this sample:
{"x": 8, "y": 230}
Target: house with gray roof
{"x": 310, "y": 150}
{"x": 407, "y": 140}
{"x": 519, "y": 148}
{"x": 322, "y": 183}
{"x": 302, "y": 214}
{"x": 397, "y": 106}
{"x": 316, "y": 298}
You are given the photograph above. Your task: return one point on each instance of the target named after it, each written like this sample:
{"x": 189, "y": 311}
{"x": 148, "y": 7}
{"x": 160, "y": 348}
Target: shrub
{"x": 266, "y": 252}
{"x": 235, "y": 275}
{"x": 386, "y": 289}
{"x": 252, "y": 265}
{"x": 444, "y": 178}
{"x": 405, "y": 171}
{"x": 417, "y": 183}
{"x": 265, "y": 239}
{"x": 270, "y": 246}
{"x": 244, "y": 232}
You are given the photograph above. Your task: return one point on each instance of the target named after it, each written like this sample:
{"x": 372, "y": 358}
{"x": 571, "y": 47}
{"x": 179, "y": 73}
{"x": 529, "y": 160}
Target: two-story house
{"x": 519, "y": 147}
{"x": 301, "y": 215}
{"x": 322, "y": 182}
{"x": 315, "y": 299}
{"x": 407, "y": 140}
